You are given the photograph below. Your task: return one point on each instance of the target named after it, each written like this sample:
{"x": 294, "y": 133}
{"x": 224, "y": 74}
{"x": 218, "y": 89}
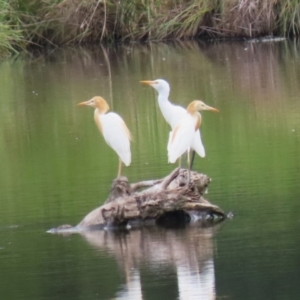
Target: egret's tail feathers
{"x": 197, "y": 144}
{"x": 200, "y": 152}
{"x": 172, "y": 158}
{"x": 174, "y": 154}
{"x": 126, "y": 158}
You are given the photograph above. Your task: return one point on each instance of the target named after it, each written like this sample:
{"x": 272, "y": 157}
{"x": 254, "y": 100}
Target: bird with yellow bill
{"x": 182, "y": 136}
{"x": 113, "y": 128}
{"x": 173, "y": 113}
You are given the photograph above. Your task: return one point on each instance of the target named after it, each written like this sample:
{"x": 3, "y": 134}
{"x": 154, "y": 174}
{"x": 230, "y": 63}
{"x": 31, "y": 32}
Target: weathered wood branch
{"x": 172, "y": 197}
{"x": 126, "y": 205}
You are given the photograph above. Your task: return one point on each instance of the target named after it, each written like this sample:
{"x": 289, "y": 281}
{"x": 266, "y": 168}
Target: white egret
{"x": 173, "y": 113}
{"x": 113, "y": 129}
{"x": 183, "y": 135}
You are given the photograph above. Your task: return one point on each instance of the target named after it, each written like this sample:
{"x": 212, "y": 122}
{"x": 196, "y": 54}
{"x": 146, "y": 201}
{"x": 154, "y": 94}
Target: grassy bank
{"x": 60, "y": 22}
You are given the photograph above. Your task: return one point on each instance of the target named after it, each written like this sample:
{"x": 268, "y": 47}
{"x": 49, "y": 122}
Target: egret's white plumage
{"x": 183, "y": 135}
{"x": 116, "y": 135}
{"x": 173, "y": 113}
{"x": 113, "y": 129}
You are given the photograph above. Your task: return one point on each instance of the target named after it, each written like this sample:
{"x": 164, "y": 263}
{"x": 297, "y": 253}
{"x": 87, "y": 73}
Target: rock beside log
{"x": 154, "y": 201}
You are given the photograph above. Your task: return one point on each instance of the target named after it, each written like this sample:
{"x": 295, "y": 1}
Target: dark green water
{"x": 55, "y": 168}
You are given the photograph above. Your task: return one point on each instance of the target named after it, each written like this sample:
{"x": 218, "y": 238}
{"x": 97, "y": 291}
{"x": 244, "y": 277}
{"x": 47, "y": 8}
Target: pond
{"x": 56, "y": 167}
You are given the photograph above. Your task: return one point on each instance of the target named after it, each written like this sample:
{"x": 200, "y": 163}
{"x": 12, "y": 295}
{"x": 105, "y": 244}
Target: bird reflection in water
{"x": 188, "y": 251}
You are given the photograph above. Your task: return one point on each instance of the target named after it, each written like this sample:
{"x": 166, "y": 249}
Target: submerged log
{"x": 171, "y": 200}
{"x": 129, "y": 204}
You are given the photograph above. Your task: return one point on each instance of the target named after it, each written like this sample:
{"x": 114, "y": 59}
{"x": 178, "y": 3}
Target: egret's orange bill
{"x": 207, "y": 107}
{"x": 212, "y": 109}
{"x": 147, "y": 81}
{"x": 82, "y": 103}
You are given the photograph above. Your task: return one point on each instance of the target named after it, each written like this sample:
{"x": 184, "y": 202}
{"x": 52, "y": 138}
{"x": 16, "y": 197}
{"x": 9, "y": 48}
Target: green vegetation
{"x": 11, "y": 36}
{"x": 60, "y": 22}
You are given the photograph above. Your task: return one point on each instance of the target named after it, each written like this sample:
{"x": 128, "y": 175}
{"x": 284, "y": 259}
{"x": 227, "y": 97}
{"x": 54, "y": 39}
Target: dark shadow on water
{"x": 177, "y": 219}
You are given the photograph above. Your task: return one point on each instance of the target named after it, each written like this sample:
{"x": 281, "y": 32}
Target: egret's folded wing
{"x": 181, "y": 139}
{"x": 116, "y": 135}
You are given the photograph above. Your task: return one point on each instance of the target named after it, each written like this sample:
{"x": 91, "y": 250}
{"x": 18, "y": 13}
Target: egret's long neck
{"x": 192, "y": 110}
{"x": 98, "y": 112}
{"x": 97, "y": 118}
{"x": 198, "y": 120}
{"x": 165, "y": 106}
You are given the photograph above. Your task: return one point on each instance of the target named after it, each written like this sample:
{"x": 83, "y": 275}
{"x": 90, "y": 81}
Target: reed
{"x": 289, "y": 17}
{"x": 11, "y": 35}
{"x": 184, "y": 19}
{"x": 247, "y": 18}
{"x": 60, "y": 22}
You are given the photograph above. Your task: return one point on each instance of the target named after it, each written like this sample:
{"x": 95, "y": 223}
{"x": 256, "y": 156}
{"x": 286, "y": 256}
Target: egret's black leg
{"x": 192, "y": 160}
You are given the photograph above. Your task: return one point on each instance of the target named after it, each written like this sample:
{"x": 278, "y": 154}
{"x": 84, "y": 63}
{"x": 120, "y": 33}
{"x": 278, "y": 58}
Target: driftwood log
{"x": 154, "y": 201}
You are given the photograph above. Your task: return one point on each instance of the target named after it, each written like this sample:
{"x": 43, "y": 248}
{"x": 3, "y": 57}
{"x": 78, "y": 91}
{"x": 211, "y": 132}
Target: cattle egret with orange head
{"x": 183, "y": 134}
{"x": 113, "y": 129}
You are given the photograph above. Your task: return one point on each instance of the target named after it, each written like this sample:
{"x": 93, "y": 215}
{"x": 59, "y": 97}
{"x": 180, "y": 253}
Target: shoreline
{"x": 75, "y": 22}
